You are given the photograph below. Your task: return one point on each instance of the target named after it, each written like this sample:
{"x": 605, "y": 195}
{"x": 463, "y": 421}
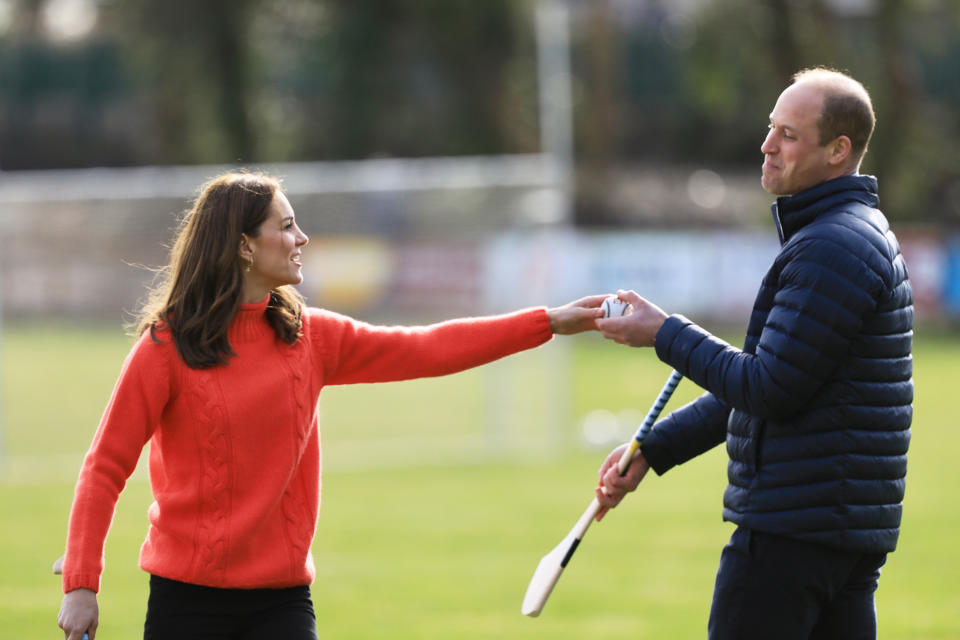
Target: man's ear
{"x": 840, "y": 148}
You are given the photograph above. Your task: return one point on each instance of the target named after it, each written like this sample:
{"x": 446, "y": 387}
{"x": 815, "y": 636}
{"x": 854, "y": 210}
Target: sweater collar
{"x": 792, "y": 213}
{"x": 250, "y": 323}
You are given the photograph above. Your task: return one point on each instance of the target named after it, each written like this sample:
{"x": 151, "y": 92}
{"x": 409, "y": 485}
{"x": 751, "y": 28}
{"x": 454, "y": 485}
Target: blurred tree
{"x": 897, "y": 86}
{"x": 425, "y": 77}
{"x": 739, "y": 55}
{"x": 26, "y": 19}
{"x": 597, "y": 120}
{"x": 191, "y": 61}
{"x": 56, "y": 97}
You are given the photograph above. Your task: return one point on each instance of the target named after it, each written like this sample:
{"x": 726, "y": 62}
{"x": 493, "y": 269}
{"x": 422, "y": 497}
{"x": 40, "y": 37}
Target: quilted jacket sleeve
{"x": 687, "y": 432}
{"x": 824, "y": 283}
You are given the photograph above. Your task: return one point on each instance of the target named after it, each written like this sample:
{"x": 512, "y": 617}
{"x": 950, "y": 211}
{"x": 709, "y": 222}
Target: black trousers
{"x": 774, "y": 588}
{"x": 181, "y": 611}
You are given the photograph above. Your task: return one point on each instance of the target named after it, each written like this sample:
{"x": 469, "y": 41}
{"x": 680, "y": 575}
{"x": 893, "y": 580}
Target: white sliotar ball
{"x": 614, "y": 307}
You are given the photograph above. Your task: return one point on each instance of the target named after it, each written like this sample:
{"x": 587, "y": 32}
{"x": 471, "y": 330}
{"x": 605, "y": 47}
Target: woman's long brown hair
{"x": 200, "y": 291}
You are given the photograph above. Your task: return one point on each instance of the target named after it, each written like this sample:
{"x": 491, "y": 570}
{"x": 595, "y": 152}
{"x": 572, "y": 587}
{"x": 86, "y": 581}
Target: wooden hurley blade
{"x": 551, "y": 566}
{"x": 545, "y": 577}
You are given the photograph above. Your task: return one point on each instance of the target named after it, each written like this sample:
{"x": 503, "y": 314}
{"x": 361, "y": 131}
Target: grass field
{"x": 440, "y": 535}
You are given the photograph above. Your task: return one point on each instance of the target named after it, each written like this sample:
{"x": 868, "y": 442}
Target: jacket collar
{"x": 792, "y": 213}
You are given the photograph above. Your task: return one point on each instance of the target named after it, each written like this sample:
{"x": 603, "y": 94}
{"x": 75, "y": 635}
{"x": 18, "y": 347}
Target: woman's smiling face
{"x": 275, "y": 251}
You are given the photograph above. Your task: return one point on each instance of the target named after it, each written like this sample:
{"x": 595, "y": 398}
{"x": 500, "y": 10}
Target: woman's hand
{"x": 577, "y": 316}
{"x": 79, "y": 614}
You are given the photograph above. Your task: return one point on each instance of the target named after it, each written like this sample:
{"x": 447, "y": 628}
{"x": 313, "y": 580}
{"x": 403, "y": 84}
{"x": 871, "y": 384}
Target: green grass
{"x": 438, "y": 535}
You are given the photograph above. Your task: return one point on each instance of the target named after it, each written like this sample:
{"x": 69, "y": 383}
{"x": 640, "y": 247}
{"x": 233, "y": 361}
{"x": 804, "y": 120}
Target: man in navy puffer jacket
{"x": 816, "y": 408}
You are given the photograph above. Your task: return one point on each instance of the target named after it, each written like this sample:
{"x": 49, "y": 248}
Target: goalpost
{"x": 3, "y": 380}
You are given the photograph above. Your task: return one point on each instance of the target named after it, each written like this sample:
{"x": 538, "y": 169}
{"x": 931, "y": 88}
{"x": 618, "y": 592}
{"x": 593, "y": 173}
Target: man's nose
{"x": 768, "y": 146}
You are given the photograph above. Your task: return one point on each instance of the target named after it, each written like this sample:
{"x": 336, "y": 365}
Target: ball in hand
{"x": 614, "y": 307}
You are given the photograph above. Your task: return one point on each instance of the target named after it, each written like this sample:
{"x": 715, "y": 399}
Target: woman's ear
{"x": 246, "y": 248}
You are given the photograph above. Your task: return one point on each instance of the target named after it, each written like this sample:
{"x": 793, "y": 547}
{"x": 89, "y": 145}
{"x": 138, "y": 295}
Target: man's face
{"x": 793, "y": 159}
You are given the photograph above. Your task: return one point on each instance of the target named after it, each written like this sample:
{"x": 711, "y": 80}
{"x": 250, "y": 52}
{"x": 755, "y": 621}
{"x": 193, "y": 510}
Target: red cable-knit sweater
{"x": 235, "y": 449}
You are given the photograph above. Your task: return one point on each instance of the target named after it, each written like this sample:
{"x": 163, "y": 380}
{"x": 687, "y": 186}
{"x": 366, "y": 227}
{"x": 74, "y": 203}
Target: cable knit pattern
{"x": 298, "y": 516}
{"x": 214, "y": 505}
{"x": 235, "y": 450}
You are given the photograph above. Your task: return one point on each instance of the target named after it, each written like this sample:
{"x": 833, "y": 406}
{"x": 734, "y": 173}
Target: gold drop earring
{"x": 249, "y": 266}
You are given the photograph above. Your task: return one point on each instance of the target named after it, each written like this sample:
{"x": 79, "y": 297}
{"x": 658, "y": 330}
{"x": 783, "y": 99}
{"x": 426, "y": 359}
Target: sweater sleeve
{"x": 131, "y": 416}
{"x": 355, "y": 352}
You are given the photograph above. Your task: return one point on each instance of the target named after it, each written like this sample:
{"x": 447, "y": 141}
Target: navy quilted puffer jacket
{"x": 816, "y": 407}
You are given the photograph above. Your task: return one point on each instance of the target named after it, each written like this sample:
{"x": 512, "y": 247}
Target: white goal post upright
{"x": 555, "y": 94}
{"x": 556, "y": 141}
{"x": 3, "y": 380}
{"x": 555, "y": 212}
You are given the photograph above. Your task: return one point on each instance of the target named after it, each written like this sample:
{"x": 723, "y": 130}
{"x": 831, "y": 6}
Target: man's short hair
{"x": 847, "y": 109}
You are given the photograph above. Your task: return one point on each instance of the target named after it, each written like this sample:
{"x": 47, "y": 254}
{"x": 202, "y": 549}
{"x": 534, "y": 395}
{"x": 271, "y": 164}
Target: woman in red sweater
{"x": 224, "y": 382}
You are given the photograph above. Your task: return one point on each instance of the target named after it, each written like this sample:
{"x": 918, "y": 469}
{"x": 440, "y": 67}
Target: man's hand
{"x": 612, "y": 486}
{"x": 636, "y": 329}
